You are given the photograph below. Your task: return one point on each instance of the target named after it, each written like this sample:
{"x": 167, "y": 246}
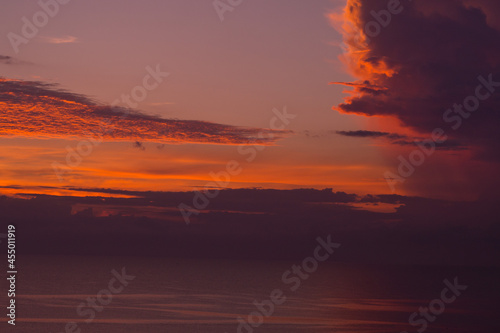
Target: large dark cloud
{"x": 427, "y": 58}
{"x": 255, "y": 223}
{"x": 37, "y": 109}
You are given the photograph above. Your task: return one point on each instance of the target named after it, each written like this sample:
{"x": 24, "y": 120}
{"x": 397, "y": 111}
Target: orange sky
{"x": 42, "y": 130}
{"x": 224, "y": 86}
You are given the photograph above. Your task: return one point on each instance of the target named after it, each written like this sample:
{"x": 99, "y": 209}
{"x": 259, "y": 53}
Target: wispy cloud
{"x": 161, "y": 104}
{"x": 37, "y": 109}
{"x": 61, "y": 40}
{"x": 401, "y": 139}
{"x": 8, "y": 60}
{"x": 371, "y": 134}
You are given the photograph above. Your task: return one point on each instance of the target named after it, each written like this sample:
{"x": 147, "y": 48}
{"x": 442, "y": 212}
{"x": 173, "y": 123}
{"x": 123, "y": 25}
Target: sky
{"x": 233, "y": 72}
{"x": 343, "y": 130}
{"x": 197, "y": 139}
{"x": 391, "y": 104}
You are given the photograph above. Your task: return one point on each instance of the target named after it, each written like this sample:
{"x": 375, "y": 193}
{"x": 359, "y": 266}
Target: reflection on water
{"x": 170, "y": 295}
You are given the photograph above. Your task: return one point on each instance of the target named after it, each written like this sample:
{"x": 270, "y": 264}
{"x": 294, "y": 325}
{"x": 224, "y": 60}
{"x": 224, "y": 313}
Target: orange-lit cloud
{"x": 35, "y": 109}
{"x": 61, "y": 40}
{"x": 421, "y": 71}
{"x": 427, "y": 57}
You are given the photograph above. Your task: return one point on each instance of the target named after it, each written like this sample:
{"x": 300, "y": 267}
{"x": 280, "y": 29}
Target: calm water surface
{"x": 184, "y": 296}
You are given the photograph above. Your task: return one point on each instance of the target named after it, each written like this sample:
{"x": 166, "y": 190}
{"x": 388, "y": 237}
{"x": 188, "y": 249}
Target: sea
{"x": 212, "y": 295}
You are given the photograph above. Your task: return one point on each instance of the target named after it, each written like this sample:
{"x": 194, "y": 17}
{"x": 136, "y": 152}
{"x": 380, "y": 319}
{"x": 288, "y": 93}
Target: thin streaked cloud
{"x": 161, "y": 104}
{"x": 61, "y": 40}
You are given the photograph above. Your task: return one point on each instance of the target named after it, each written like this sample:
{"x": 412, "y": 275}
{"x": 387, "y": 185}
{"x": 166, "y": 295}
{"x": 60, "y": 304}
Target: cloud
{"x": 371, "y": 134}
{"x": 61, "y": 40}
{"x": 284, "y": 223}
{"x": 8, "y": 60}
{"x": 37, "y": 109}
{"x": 401, "y": 139}
{"x": 427, "y": 58}
{"x": 139, "y": 145}
{"x": 364, "y": 87}
{"x": 5, "y": 60}
{"x": 161, "y": 104}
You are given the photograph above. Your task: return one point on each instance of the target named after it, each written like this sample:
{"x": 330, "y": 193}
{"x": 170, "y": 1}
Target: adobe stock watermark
{"x": 426, "y": 315}
{"x": 31, "y": 28}
{"x": 223, "y": 6}
{"x": 453, "y": 116}
{"x": 85, "y": 147}
{"x": 211, "y": 190}
{"x": 104, "y": 297}
{"x": 292, "y": 277}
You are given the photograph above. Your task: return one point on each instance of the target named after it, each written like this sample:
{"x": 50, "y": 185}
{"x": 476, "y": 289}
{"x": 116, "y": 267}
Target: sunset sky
{"x": 354, "y": 107}
{"x": 205, "y": 144}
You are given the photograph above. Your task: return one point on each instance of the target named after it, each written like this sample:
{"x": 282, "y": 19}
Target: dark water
{"x": 169, "y": 295}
